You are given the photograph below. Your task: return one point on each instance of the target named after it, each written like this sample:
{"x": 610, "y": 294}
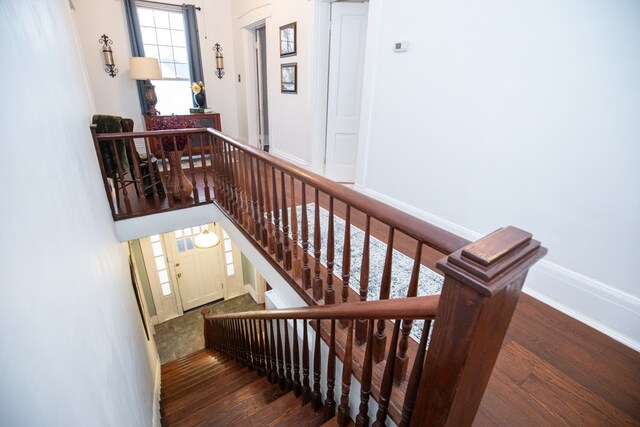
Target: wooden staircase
{"x": 206, "y": 388}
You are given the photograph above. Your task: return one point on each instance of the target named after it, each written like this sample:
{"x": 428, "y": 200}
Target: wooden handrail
{"x": 152, "y": 133}
{"x": 431, "y": 235}
{"x": 405, "y": 308}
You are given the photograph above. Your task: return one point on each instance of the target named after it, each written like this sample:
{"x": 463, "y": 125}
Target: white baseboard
{"x": 156, "y": 397}
{"x": 251, "y": 292}
{"x": 290, "y": 158}
{"x": 601, "y": 306}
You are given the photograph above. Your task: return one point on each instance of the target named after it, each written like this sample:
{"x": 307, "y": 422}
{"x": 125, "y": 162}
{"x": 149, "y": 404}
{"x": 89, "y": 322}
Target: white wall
{"x": 292, "y": 117}
{"x": 73, "y": 347}
{"x": 522, "y": 113}
{"x": 119, "y": 95}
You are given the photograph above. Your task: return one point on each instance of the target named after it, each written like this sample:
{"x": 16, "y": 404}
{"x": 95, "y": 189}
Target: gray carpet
{"x": 183, "y": 335}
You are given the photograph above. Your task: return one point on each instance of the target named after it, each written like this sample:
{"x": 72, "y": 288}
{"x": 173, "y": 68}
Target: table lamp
{"x": 141, "y": 68}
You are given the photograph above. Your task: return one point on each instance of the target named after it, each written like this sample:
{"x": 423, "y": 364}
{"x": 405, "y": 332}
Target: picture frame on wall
{"x": 289, "y": 78}
{"x": 288, "y": 40}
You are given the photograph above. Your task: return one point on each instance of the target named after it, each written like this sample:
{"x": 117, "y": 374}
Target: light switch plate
{"x": 400, "y": 46}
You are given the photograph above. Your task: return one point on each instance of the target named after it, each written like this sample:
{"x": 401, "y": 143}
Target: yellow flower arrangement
{"x": 197, "y": 87}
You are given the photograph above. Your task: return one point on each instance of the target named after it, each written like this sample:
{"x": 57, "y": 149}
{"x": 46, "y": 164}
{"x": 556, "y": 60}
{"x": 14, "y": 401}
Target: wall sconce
{"x": 219, "y": 61}
{"x": 110, "y": 66}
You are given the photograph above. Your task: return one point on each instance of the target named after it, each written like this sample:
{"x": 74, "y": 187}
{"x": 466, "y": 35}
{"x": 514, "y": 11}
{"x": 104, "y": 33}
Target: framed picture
{"x": 288, "y": 40}
{"x": 289, "y": 78}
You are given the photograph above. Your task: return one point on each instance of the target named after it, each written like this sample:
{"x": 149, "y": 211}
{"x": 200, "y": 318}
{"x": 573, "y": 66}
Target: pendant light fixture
{"x": 206, "y": 240}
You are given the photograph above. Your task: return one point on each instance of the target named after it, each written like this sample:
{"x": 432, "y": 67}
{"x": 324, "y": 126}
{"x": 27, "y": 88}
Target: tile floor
{"x": 178, "y": 337}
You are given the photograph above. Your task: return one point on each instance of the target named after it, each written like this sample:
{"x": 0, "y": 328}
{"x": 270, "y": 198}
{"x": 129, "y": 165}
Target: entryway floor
{"x": 183, "y": 335}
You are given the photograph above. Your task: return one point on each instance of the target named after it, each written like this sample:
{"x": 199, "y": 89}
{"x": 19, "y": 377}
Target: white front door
{"x": 199, "y": 271}
{"x": 346, "y": 64}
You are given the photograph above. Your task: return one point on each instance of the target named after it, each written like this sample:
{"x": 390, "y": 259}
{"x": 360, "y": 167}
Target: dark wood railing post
{"x": 306, "y": 390}
{"x": 380, "y": 340}
{"x": 329, "y": 293}
{"x": 330, "y": 402}
{"x": 361, "y": 325}
{"x": 297, "y": 387}
{"x": 343, "y": 409}
{"x": 482, "y": 285}
{"x": 207, "y": 328}
{"x": 316, "y": 395}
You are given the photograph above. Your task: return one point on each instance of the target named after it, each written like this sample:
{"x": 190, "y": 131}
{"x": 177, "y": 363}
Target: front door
{"x": 346, "y": 66}
{"x": 199, "y": 271}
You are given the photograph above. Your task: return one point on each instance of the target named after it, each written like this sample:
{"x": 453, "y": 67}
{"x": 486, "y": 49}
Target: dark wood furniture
{"x": 211, "y": 120}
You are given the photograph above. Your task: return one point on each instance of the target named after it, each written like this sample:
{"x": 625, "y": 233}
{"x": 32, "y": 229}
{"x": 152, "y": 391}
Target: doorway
{"x": 261, "y": 87}
{"x": 347, "y": 41}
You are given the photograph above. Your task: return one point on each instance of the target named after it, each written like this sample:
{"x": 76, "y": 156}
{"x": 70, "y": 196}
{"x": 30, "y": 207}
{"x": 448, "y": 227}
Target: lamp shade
{"x": 141, "y": 68}
{"x": 206, "y": 240}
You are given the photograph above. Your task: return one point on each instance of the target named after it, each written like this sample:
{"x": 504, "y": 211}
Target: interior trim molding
{"x": 611, "y": 311}
{"x": 156, "y": 395}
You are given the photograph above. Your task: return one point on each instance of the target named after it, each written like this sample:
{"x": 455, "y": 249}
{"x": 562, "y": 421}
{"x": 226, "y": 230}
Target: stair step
{"x": 192, "y": 364}
{"x": 333, "y": 422}
{"x": 189, "y": 358}
{"x": 178, "y": 380}
{"x": 271, "y": 414}
{"x": 203, "y": 407}
{"x": 220, "y": 381}
{"x": 303, "y": 417}
{"x": 243, "y": 403}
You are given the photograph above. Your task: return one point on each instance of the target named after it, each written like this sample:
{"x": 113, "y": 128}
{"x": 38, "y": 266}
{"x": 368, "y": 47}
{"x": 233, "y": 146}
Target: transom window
{"x": 161, "y": 265}
{"x": 184, "y": 237}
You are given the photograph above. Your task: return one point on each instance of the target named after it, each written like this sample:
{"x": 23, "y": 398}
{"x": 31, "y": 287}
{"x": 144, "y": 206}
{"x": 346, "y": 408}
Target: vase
{"x": 200, "y": 99}
{"x": 178, "y": 182}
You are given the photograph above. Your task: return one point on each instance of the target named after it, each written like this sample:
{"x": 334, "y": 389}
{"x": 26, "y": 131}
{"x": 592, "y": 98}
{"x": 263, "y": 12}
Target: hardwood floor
{"x": 555, "y": 370}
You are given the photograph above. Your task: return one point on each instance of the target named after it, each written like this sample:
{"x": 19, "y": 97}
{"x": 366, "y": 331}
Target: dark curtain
{"x": 193, "y": 44}
{"x": 137, "y": 48}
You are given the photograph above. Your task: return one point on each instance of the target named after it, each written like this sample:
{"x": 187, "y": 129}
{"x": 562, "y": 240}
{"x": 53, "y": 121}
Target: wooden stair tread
{"x": 333, "y": 422}
{"x": 243, "y": 403}
{"x": 206, "y": 387}
{"x": 273, "y": 413}
{"x": 186, "y": 380}
{"x": 303, "y": 417}
{"x": 188, "y": 358}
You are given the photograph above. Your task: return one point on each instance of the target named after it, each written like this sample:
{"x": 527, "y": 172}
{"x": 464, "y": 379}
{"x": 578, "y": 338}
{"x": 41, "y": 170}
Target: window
{"x": 163, "y": 36}
{"x": 228, "y": 255}
{"x": 184, "y": 237}
{"x": 161, "y": 265}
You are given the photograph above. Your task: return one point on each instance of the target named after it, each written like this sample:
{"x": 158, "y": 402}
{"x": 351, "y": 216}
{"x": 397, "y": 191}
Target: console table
{"x": 210, "y": 120}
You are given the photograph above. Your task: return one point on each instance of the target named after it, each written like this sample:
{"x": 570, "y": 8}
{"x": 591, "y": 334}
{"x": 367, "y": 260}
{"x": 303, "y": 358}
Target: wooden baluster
{"x": 238, "y": 186}
{"x": 288, "y": 385}
{"x": 343, "y": 409}
{"x": 247, "y": 341}
{"x": 254, "y": 203}
{"x": 242, "y": 188}
{"x": 385, "y": 289}
{"x": 208, "y": 343}
{"x": 306, "y": 270}
{"x": 387, "y": 380}
{"x": 165, "y": 172}
{"x": 306, "y": 390}
{"x": 244, "y": 199}
{"x": 400, "y": 371}
{"x": 152, "y": 167}
{"x": 263, "y": 226}
{"x": 274, "y": 355}
{"x": 317, "y": 241}
{"x": 346, "y": 260}
{"x": 276, "y": 213}
{"x": 260, "y": 346}
{"x": 96, "y": 145}
{"x": 253, "y": 352}
{"x": 329, "y": 293}
{"x": 414, "y": 379}
{"x": 267, "y": 353}
{"x": 227, "y": 173}
{"x": 296, "y": 361}
{"x": 362, "y": 420}
{"x": 281, "y": 375}
{"x": 137, "y": 174}
{"x": 316, "y": 395}
{"x": 234, "y": 341}
{"x": 223, "y": 174}
{"x": 214, "y": 167}
{"x": 361, "y": 325}
{"x": 192, "y": 171}
{"x": 294, "y": 232}
{"x": 271, "y": 241}
{"x": 330, "y": 403}
{"x": 286, "y": 255}
{"x": 221, "y": 185}
{"x": 120, "y": 178}
{"x": 203, "y": 159}
{"x": 232, "y": 192}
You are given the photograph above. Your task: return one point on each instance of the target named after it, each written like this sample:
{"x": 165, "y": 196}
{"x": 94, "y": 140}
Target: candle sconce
{"x": 219, "y": 61}
{"x": 110, "y": 66}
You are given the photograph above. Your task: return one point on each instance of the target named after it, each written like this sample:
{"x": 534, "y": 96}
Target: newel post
{"x": 207, "y": 328}
{"x": 482, "y": 284}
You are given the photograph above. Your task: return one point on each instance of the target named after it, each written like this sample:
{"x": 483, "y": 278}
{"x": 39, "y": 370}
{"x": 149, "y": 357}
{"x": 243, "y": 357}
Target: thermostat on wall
{"x": 400, "y": 46}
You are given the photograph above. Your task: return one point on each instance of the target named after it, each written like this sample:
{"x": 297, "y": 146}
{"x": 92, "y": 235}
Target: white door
{"x": 158, "y": 271}
{"x": 346, "y": 64}
{"x": 261, "y": 72}
{"x": 198, "y": 271}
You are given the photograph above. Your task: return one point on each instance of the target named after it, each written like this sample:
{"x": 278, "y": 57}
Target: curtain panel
{"x": 193, "y": 44}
